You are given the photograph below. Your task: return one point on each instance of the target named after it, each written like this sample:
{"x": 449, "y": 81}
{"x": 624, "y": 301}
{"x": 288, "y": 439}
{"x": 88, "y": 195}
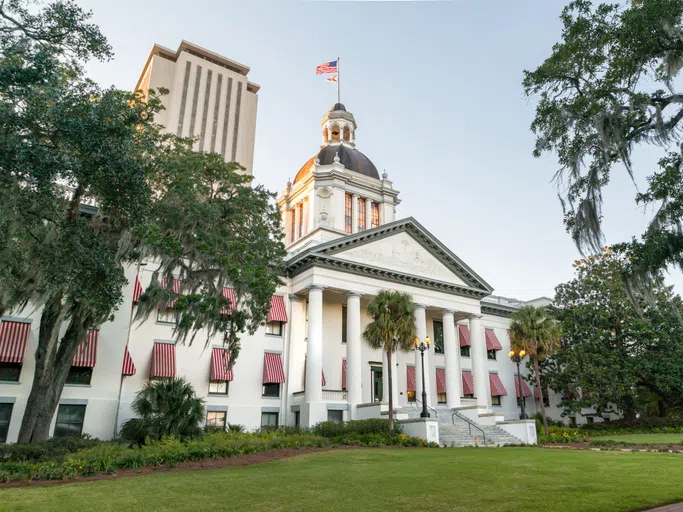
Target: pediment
{"x": 403, "y": 248}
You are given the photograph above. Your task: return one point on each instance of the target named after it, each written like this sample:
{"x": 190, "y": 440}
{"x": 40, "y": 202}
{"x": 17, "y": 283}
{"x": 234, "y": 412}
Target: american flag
{"x": 326, "y": 67}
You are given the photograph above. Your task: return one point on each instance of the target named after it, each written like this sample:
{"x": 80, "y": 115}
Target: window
{"x": 271, "y": 390}
{"x": 167, "y": 315}
{"x": 274, "y": 328}
{"x": 336, "y": 132}
{"x": 216, "y": 418}
{"x": 441, "y": 398}
{"x": 269, "y": 419}
{"x": 464, "y": 351}
{"x": 495, "y": 400}
{"x": 301, "y": 219}
{"x": 411, "y": 396}
{"x": 347, "y": 134}
{"x": 337, "y": 416}
{"x": 292, "y": 224}
{"x": 79, "y": 375}
{"x": 219, "y": 387}
{"x": 343, "y": 324}
{"x": 348, "y": 213}
{"x": 374, "y": 222}
{"x": 69, "y": 420}
{"x": 5, "y": 415}
{"x": 572, "y": 421}
{"x": 438, "y": 337}
{"x": 491, "y": 354}
{"x": 9, "y": 372}
{"x": 590, "y": 419}
{"x": 297, "y": 418}
{"x": 361, "y": 214}
{"x": 469, "y": 395}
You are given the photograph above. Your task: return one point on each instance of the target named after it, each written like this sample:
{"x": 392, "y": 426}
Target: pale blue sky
{"x": 436, "y": 90}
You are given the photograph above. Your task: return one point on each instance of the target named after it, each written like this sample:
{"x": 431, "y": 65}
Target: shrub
{"x": 164, "y": 408}
{"x": 234, "y": 427}
{"x": 563, "y": 435}
{"x": 52, "y": 449}
{"x": 640, "y": 425}
{"x": 333, "y": 429}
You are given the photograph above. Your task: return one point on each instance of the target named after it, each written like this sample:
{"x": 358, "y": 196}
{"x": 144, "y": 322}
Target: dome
{"x": 339, "y": 106}
{"x": 350, "y": 158}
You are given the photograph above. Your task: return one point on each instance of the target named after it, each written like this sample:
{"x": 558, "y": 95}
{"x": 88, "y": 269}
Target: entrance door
{"x": 377, "y": 384}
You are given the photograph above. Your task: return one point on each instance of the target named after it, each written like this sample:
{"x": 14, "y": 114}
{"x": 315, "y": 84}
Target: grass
{"x": 644, "y": 438}
{"x": 494, "y": 479}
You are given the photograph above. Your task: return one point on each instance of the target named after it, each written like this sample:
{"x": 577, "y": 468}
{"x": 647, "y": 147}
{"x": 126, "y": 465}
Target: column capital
{"x": 357, "y": 196}
{"x": 315, "y": 287}
{"x": 419, "y": 306}
{"x": 294, "y": 297}
{"x": 351, "y": 293}
{"x": 474, "y": 316}
{"x": 448, "y": 312}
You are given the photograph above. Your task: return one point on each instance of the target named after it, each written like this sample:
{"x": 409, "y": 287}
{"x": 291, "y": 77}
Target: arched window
{"x": 347, "y": 134}
{"x": 326, "y": 135}
{"x": 335, "y": 132}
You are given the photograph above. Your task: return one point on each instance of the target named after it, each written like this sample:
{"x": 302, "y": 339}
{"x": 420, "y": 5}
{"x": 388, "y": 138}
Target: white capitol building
{"x": 308, "y": 364}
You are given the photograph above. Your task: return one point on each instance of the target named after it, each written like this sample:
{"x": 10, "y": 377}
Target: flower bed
{"x": 562, "y": 435}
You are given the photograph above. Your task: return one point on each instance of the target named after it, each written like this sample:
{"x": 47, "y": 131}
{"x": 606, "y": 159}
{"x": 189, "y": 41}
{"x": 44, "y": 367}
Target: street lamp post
{"x": 517, "y": 357}
{"x": 422, "y": 346}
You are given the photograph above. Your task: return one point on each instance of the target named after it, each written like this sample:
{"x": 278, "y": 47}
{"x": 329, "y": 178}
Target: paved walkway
{"x": 674, "y": 507}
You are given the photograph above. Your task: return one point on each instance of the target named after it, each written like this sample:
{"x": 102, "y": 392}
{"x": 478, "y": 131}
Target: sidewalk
{"x": 674, "y": 507}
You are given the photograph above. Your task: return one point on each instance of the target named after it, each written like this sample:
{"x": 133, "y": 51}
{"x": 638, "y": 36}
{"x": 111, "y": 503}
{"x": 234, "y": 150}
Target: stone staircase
{"x": 458, "y": 434}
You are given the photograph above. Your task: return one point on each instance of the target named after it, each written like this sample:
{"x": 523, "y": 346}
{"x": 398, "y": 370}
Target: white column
{"x": 314, "y": 354}
{"x": 353, "y": 353}
{"x": 479, "y": 370}
{"x": 421, "y": 326}
{"x": 452, "y": 356}
{"x": 368, "y": 213}
{"x": 297, "y": 221}
{"x": 354, "y": 219}
{"x": 304, "y": 218}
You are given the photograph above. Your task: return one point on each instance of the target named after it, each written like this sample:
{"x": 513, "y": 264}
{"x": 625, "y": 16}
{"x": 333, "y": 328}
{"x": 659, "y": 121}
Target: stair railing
{"x": 428, "y": 406}
{"x": 470, "y": 424}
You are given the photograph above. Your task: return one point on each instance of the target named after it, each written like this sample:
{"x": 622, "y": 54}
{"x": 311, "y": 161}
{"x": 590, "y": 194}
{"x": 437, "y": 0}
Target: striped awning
{"x": 464, "y": 335}
{"x": 343, "y": 373}
{"x": 86, "y": 353}
{"x": 277, "y": 312}
{"x": 410, "y": 373}
{"x": 273, "y": 371}
{"x": 13, "y": 337}
{"x": 163, "y": 360}
{"x": 497, "y": 388}
{"x": 137, "y": 290}
{"x": 220, "y": 359}
{"x": 176, "y": 289}
{"x": 128, "y": 365}
{"x": 492, "y": 342}
{"x": 229, "y": 293}
{"x": 440, "y": 380}
{"x": 525, "y": 387}
{"x": 467, "y": 383}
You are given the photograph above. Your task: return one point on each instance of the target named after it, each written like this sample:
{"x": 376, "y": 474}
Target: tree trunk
{"x": 53, "y": 361}
{"x": 391, "y": 398}
{"x": 537, "y": 371}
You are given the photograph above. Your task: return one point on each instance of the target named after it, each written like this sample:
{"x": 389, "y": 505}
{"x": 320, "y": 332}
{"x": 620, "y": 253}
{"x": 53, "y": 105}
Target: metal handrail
{"x": 470, "y": 423}
{"x": 428, "y": 406}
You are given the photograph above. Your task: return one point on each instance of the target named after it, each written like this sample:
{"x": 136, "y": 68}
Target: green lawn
{"x": 493, "y": 479}
{"x": 644, "y": 438}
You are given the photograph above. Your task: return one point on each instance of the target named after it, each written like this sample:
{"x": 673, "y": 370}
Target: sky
{"x": 435, "y": 88}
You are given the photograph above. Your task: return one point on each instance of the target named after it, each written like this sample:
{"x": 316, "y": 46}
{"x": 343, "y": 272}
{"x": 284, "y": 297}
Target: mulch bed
{"x": 226, "y": 462}
{"x": 616, "y": 447}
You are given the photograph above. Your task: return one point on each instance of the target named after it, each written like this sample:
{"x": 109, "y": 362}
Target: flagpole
{"x": 338, "y": 86}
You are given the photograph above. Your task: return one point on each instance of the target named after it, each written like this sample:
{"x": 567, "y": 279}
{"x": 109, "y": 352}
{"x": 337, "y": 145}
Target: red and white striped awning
{"x": 86, "y": 353}
{"x": 497, "y": 388}
{"x": 525, "y": 387}
{"x": 220, "y": 360}
{"x": 137, "y": 290}
{"x": 273, "y": 371}
{"x": 13, "y": 337}
{"x": 440, "y": 380}
{"x": 277, "y": 312}
{"x": 492, "y": 342}
{"x": 410, "y": 374}
{"x": 343, "y": 374}
{"x": 176, "y": 289}
{"x": 128, "y": 365}
{"x": 229, "y": 293}
{"x": 163, "y": 360}
{"x": 467, "y": 383}
{"x": 464, "y": 335}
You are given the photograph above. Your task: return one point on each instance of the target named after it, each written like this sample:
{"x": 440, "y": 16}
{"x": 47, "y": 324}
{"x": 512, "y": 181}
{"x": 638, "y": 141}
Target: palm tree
{"x": 392, "y": 329}
{"x": 164, "y": 408}
{"x": 536, "y": 332}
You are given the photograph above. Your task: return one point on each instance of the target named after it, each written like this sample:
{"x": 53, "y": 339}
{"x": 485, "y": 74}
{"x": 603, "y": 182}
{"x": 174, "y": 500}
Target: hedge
{"x": 640, "y": 425}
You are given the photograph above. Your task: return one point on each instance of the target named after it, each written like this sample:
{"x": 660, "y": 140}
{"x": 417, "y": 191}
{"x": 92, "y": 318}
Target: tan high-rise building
{"x": 209, "y": 99}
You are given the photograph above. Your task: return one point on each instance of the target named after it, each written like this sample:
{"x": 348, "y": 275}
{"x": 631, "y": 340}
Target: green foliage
{"x": 332, "y": 429}
{"x": 608, "y": 87}
{"x": 164, "y": 408}
{"x": 562, "y": 435}
{"x": 54, "y": 449}
{"x": 638, "y": 425}
{"x": 616, "y": 355}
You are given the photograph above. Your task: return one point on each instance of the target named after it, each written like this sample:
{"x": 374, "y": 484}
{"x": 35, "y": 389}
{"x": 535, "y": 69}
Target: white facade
{"x": 339, "y": 258}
